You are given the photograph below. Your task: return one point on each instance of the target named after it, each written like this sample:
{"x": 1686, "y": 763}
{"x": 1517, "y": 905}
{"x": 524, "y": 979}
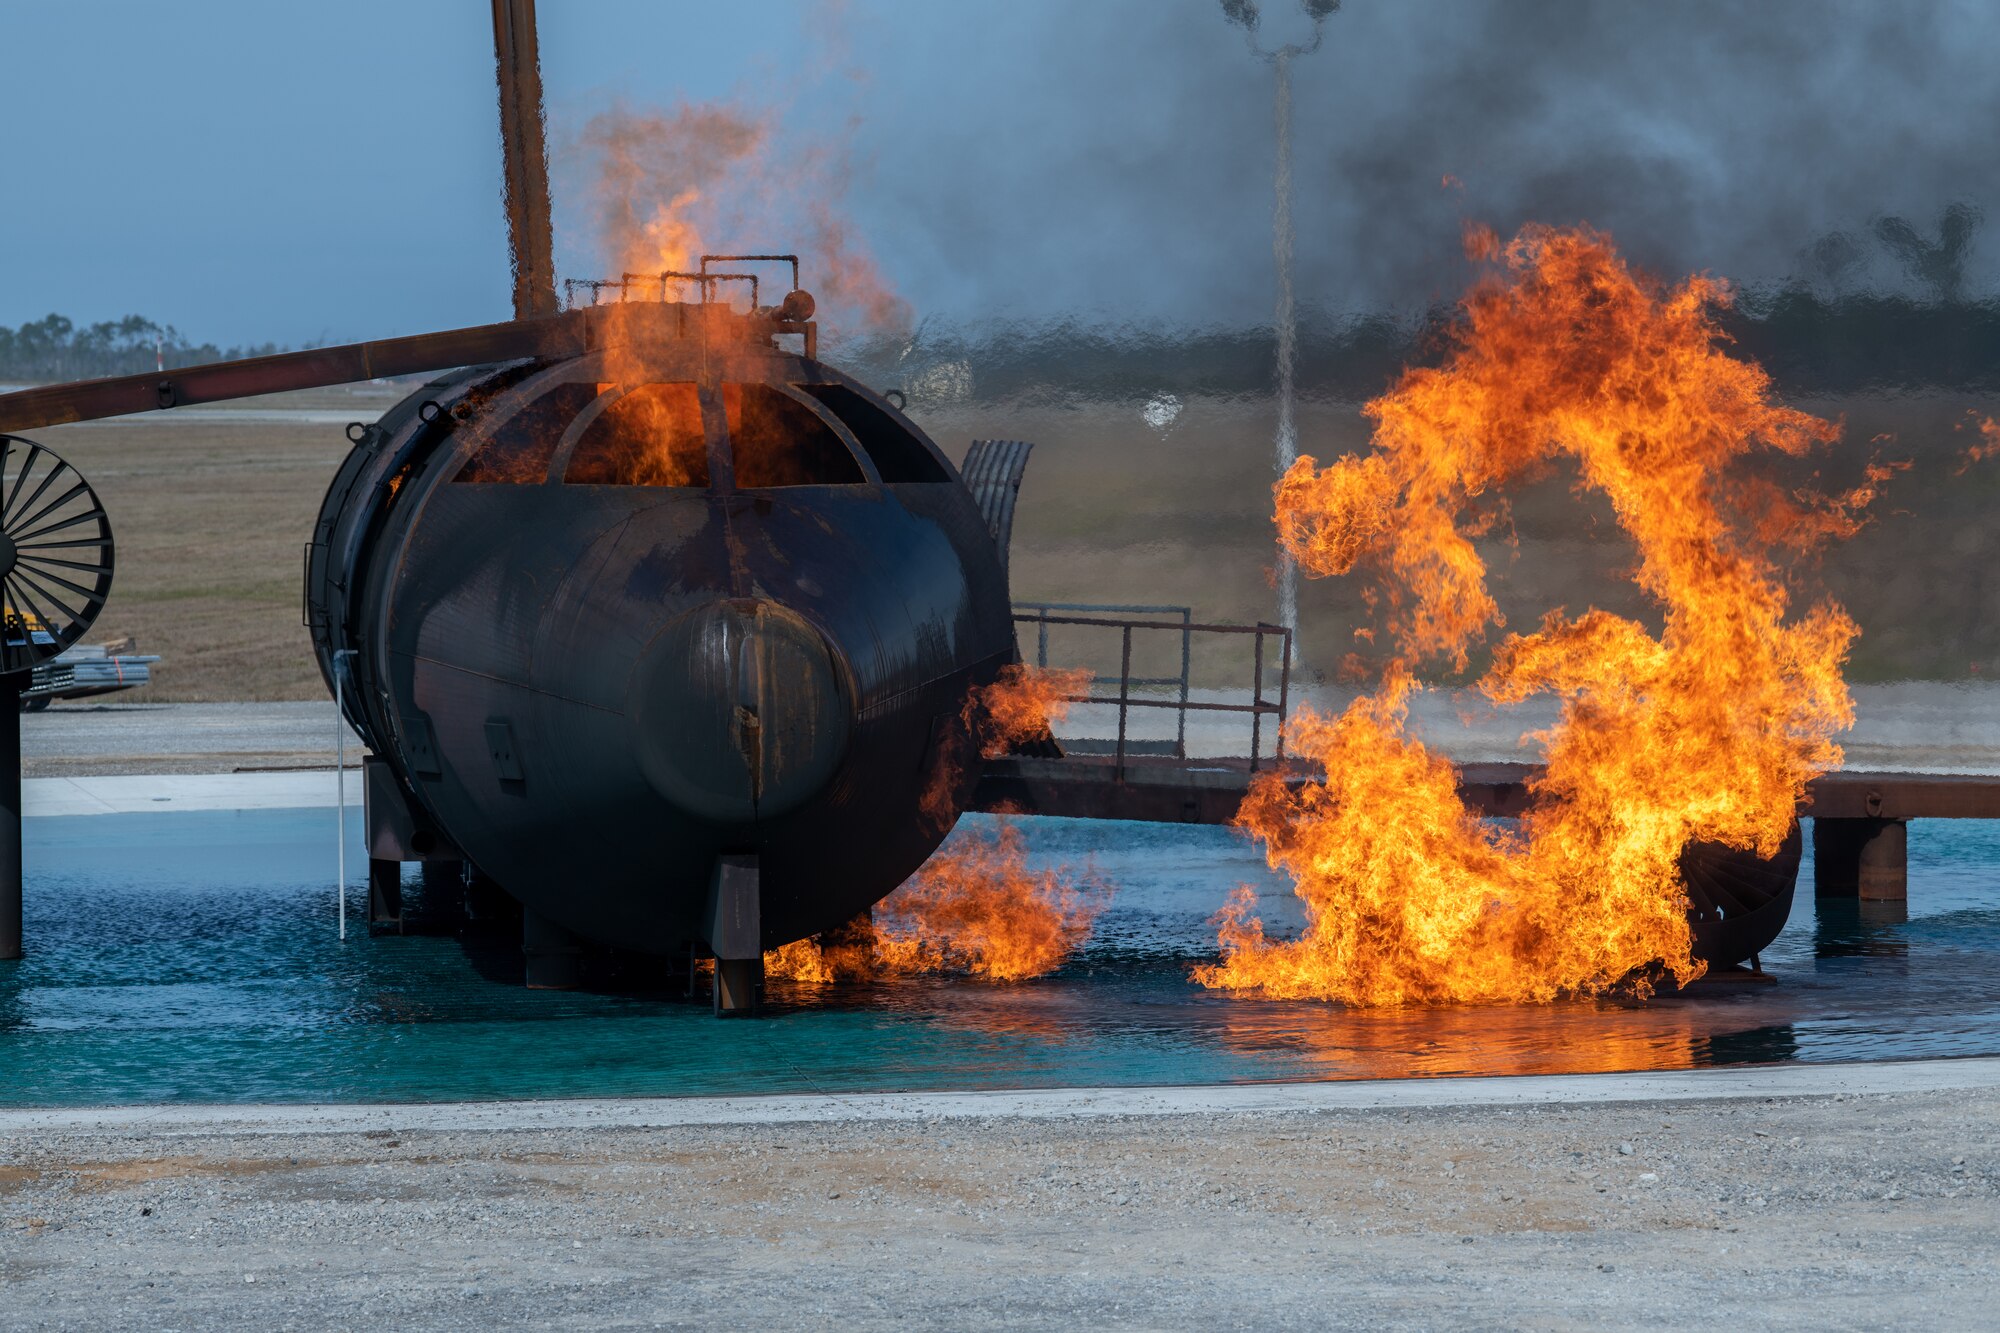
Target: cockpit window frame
{"x": 530, "y": 397}
{"x": 559, "y": 462}
{"x": 721, "y": 452}
{"x": 862, "y": 462}
{"x": 919, "y": 445}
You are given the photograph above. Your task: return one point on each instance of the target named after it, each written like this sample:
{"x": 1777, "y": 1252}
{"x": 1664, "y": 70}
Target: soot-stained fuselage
{"x": 615, "y": 619}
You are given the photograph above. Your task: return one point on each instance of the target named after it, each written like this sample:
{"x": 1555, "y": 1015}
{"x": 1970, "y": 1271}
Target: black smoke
{"x": 1128, "y": 168}
{"x": 1830, "y": 157}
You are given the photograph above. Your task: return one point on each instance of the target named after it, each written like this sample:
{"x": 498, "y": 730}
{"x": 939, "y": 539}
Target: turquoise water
{"x": 192, "y": 957}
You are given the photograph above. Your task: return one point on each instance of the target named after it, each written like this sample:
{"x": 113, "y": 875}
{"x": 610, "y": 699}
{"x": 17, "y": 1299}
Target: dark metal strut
{"x": 563, "y": 335}
{"x": 517, "y": 63}
{"x": 10, "y": 813}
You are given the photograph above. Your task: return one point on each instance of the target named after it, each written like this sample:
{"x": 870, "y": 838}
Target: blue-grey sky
{"x": 250, "y": 171}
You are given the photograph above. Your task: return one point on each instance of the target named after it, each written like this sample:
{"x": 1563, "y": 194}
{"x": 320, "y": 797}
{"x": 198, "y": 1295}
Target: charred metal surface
{"x": 737, "y": 983}
{"x": 734, "y": 898}
{"x": 394, "y": 829}
{"x": 1499, "y": 790}
{"x": 1737, "y": 903}
{"x": 385, "y": 895}
{"x": 1192, "y": 791}
{"x": 518, "y": 70}
{"x": 600, "y": 691}
{"x": 1087, "y": 787}
{"x": 1902, "y": 796}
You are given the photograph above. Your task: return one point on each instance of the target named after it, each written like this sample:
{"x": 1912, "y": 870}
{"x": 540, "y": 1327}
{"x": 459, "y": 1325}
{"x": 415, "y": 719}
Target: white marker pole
{"x": 340, "y": 777}
{"x": 1286, "y": 323}
{"x": 1285, "y": 317}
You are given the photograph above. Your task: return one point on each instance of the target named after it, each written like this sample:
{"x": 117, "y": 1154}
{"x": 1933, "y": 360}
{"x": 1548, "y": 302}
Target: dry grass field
{"x": 1114, "y": 509}
{"x": 212, "y": 506}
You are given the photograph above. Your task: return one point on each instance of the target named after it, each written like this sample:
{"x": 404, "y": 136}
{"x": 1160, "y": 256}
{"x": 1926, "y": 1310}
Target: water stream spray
{"x": 1246, "y": 15}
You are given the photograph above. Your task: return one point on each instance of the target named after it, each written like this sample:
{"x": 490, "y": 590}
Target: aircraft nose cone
{"x": 741, "y": 709}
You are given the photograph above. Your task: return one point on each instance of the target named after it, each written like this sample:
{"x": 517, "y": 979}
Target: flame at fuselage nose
{"x": 741, "y": 710}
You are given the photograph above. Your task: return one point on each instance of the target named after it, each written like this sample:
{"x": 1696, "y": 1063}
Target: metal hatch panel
{"x": 992, "y": 472}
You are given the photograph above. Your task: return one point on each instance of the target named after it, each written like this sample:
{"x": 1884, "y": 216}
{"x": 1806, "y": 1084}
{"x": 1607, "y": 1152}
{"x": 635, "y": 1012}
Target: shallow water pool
{"x": 193, "y": 957}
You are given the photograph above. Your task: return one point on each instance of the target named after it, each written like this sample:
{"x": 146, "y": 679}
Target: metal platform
{"x": 1859, "y": 818}
{"x": 1163, "y": 789}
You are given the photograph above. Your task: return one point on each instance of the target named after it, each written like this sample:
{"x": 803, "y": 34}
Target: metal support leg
{"x": 1861, "y": 858}
{"x": 10, "y": 815}
{"x": 737, "y": 982}
{"x": 735, "y": 933}
{"x": 553, "y": 954}
{"x": 385, "y": 895}
{"x": 444, "y": 888}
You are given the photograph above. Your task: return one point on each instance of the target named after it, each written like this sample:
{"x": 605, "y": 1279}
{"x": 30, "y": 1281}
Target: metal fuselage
{"x": 595, "y": 689}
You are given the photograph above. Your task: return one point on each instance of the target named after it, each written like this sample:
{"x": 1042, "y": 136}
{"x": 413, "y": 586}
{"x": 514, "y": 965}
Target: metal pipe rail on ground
{"x": 1258, "y": 707}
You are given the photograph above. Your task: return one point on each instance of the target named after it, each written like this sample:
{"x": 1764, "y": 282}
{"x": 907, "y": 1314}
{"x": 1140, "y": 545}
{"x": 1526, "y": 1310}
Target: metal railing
{"x": 1258, "y": 707}
{"x": 1186, "y": 614}
{"x": 625, "y": 284}
{"x": 703, "y": 279}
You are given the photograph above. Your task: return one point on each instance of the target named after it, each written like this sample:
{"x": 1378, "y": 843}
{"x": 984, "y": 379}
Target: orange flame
{"x": 1708, "y": 730}
{"x": 806, "y": 960}
{"x": 977, "y": 908}
{"x": 974, "y": 908}
{"x": 668, "y": 187}
{"x": 664, "y": 189}
{"x": 1984, "y": 448}
{"x": 1022, "y": 705}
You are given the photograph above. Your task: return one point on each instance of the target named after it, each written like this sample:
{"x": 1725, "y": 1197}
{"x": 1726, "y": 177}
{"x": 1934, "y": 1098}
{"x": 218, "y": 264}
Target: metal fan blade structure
{"x": 56, "y": 555}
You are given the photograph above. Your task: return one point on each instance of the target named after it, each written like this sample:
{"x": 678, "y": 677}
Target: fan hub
{"x": 9, "y": 554}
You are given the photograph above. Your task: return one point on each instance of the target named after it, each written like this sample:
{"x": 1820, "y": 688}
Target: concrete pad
{"x": 1730, "y": 1084}
{"x": 115, "y": 736}
{"x": 134, "y": 794}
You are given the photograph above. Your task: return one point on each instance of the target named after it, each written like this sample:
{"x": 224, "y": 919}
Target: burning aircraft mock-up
{"x": 661, "y": 624}
{"x": 671, "y": 638}
{"x": 665, "y": 627}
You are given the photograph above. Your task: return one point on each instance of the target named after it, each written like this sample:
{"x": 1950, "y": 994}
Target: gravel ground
{"x": 1823, "y": 1212}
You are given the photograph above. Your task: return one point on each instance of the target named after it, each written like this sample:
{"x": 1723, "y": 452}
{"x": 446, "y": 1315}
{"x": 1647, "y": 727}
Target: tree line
{"x": 56, "y": 348}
